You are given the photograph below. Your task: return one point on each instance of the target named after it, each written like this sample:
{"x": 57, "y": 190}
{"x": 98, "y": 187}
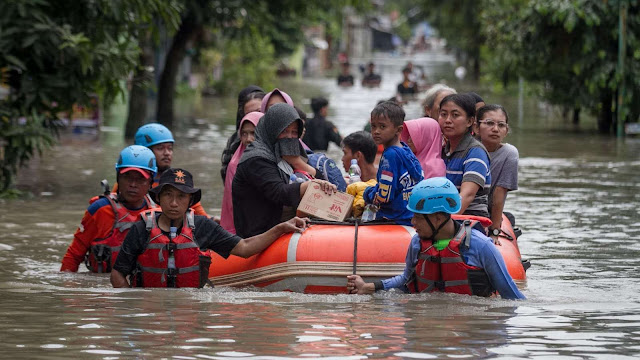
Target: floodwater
{"x": 577, "y": 205}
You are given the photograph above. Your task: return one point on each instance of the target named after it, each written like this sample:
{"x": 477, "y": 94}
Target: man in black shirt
{"x": 407, "y": 88}
{"x": 153, "y": 242}
{"x": 345, "y": 79}
{"x": 371, "y": 79}
{"x": 319, "y": 131}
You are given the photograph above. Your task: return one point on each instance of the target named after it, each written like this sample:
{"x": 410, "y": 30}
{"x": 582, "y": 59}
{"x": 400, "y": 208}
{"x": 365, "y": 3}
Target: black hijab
{"x": 278, "y": 117}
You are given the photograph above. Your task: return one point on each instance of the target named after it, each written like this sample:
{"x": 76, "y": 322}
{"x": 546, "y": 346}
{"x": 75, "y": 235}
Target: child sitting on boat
{"x": 399, "y": 169}
{"x": 361, "y": 147}
{"x": 424, "y": 138}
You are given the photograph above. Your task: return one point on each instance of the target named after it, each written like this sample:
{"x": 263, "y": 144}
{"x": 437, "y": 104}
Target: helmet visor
{"x": 144, "y": 173}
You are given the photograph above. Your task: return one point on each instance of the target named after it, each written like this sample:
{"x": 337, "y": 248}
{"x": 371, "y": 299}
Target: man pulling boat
{"x": 109, "y": 217}
{"x": 163, "y": 249}
{"x": 445, "y": 255}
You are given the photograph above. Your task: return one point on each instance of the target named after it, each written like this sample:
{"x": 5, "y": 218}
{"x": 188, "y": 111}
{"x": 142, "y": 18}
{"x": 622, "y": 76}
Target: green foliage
{"x": 569, "y": 46}
{"x": 281, "y": 21}
{"x": 243, "y": 64}
{"x": 247, "y": 44}
{"x": 459, "y": 22}
{"x": 58, "y": 53}
{"x": 407, "y": 11}
{"x": 24, "y": 137}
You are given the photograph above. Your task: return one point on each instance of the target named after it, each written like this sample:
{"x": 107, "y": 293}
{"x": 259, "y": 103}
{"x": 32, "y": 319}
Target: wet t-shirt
{"x": 208, "y": 234}
{"x": 504, "y": 169}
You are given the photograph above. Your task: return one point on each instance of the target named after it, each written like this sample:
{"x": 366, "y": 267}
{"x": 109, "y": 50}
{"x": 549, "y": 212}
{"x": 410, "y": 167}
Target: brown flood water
{"x": 577, "y": 205}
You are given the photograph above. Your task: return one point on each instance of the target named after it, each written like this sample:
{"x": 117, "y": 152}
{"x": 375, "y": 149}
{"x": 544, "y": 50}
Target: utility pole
{"x": 520, "y": 100}
{"x": 622, "y": 53}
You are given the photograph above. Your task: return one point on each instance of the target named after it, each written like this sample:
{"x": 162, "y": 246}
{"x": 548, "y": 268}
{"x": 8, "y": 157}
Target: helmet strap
{"x": 434, "y": 230}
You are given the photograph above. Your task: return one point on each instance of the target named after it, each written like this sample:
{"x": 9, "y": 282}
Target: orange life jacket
{"x": 104, "y": 251}
{"x": 191, "y": 264}
{"x": 446, "y": 271}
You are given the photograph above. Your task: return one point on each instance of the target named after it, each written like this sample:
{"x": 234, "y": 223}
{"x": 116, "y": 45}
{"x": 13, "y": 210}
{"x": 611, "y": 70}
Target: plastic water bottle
{"x": 171, "y": 263}
{"x": 295, "y": 179}
{"x": 369, "y": 213}
{"x": 354, "y": 172}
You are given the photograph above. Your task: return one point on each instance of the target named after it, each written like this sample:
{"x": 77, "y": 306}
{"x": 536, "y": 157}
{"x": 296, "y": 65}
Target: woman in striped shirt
{"x": 466, "y": 158}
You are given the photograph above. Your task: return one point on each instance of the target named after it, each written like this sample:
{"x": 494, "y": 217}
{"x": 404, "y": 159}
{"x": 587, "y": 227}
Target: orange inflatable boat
{"x": 318, "y": 260}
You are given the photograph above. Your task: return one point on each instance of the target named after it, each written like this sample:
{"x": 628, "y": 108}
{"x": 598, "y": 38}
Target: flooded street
{"x": 578, "y": 205}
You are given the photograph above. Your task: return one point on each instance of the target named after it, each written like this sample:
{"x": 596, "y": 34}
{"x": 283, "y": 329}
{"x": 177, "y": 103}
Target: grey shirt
{"x": 504, "y": 169}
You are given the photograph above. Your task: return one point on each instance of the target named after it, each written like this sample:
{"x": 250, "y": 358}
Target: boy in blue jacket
{"x": 399, "y": 169}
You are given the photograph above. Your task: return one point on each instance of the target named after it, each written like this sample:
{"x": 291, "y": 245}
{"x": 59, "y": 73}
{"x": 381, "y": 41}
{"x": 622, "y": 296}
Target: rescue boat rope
{"x": 355, "y": 248}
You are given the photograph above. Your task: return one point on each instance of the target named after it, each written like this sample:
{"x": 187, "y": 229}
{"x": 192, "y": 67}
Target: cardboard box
{"x": 334, "y": 207}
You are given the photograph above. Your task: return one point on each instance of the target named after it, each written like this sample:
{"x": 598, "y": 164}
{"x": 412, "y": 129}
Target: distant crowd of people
{"x": 152, "y": 231}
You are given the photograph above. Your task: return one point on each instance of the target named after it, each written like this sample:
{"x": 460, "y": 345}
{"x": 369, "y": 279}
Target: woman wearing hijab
{"x": 246, "y": 134}
{"x": 276, "y": 96}
{"x": 249, "y": 99}
{"x": 262, "y": 187}
{"x": 424, "y": 138}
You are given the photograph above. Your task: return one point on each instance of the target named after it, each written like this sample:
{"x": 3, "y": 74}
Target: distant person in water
{"x": 417, "y": 75}
{"x": 320, "y": 131}
{"x": 492, "y": 127}
{"x": 345, "y": 79}
{"x": 317, "y": 165}
{"x": 371, "y": 79}
{"x": 147, "y": 256}
{"x": 407, "y": 88}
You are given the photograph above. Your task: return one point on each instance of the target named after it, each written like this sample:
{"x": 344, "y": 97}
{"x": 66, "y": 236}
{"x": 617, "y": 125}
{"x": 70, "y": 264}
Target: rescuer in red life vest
{"x": 445, "y": 255}
{"x": 108, "y": 219}
{"x": 164, "y": 248}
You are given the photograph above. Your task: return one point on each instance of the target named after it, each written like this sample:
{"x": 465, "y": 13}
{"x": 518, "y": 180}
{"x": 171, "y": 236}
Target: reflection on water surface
{"x": 577, "y": 204}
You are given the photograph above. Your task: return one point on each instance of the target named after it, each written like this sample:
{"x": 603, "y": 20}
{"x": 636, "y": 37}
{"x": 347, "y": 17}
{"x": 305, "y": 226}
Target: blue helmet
{"x": 136, "y": 156}
{"x": 152, "y": 134}
{"x": 434, "y": 195}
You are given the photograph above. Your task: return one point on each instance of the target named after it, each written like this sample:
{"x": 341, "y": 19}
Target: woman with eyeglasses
{"x": 491, "y": 128}
{"x": 466, "y": 158}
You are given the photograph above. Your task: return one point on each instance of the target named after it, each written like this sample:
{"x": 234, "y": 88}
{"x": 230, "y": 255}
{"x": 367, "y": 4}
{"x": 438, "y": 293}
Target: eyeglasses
{"x": 491, "y": 123}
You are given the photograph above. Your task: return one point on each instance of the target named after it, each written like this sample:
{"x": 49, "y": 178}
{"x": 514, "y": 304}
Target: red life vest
{"x": 104, "y": 251}
{"x": 191, "y": 265}
{"x": 446, "y": 271}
